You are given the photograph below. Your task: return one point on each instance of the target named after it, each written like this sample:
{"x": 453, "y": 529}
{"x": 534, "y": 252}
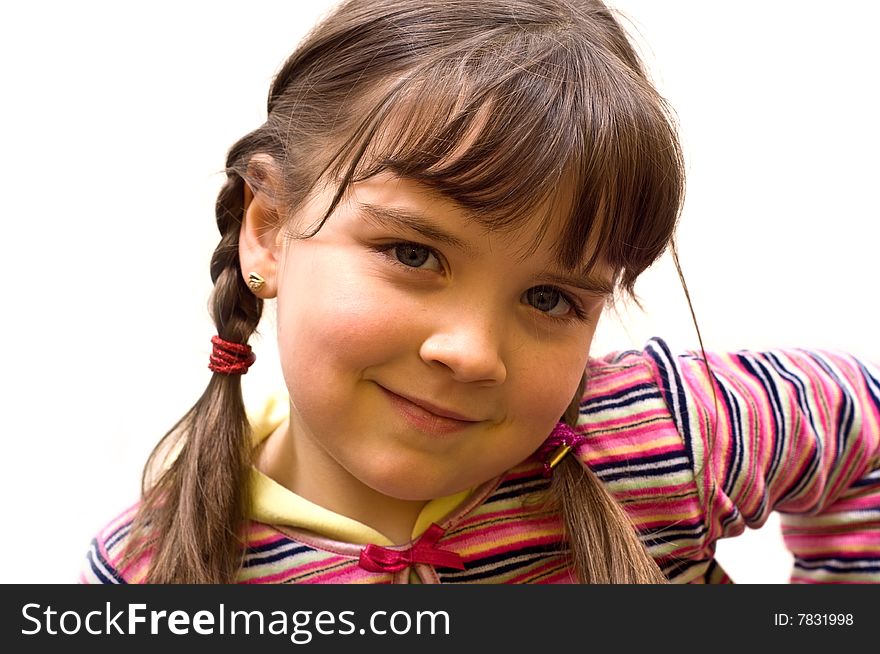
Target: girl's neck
{"x": 283, "y": 460}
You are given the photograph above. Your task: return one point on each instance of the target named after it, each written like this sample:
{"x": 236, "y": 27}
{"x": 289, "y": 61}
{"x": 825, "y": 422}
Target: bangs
{"x": 530, "y": 126}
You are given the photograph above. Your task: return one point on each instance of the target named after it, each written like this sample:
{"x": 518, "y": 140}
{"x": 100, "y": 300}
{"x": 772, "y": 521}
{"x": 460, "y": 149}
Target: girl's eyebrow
{"x": 395, "y": 217}
{"x": 594, "y": 284}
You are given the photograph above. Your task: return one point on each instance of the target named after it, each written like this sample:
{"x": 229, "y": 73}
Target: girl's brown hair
{"x": 508, "y": 107}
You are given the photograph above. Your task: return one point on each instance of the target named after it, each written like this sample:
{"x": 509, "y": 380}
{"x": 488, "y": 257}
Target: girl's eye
{"x": 415, "y": 256}
{"x": 549, "y": 300}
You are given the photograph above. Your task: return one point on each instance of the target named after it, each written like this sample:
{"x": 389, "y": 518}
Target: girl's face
{"x": 423, "y": 353}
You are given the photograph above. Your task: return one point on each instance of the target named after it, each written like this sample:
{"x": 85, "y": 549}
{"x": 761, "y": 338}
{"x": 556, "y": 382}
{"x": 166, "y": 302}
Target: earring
{"x": 255, "y": 282}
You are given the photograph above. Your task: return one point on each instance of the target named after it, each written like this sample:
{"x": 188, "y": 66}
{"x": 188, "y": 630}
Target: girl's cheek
{"x": 341, "y": 321}
{"x": 549, "y": 383}
{"x": 546, "y": 397}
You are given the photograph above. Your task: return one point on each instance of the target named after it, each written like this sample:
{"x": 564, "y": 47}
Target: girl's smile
{"x": 424, "y": 354}
{"x": 426, "y": 416}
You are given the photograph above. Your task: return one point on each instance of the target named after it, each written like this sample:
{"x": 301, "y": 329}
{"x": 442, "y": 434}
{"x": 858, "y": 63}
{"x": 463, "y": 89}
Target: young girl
{"x": 443, "y": 198}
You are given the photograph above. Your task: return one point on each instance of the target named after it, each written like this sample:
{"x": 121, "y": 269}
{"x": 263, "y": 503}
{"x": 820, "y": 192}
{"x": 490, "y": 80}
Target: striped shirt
{"x": 693, "y": 453}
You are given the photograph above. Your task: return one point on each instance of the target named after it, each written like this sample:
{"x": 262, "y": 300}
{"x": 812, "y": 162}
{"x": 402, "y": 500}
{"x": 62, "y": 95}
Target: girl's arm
{"x": 793, "y": 431}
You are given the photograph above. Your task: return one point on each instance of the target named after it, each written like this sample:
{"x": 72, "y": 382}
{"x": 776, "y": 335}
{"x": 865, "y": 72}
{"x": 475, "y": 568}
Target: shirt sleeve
{"x": 103, "y": 562}
{"x": 793, "y": 431}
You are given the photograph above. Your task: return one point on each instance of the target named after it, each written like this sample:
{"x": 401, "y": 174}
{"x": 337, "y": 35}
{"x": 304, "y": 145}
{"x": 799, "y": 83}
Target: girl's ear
{"x": 259, "y": 247}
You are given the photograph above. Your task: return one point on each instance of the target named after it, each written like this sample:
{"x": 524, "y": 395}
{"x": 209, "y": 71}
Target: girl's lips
{"x": 428, "y": 417}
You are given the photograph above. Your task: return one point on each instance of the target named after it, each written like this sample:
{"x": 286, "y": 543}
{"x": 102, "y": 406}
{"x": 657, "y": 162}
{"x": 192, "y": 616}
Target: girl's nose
{"x": 469, "y": 349}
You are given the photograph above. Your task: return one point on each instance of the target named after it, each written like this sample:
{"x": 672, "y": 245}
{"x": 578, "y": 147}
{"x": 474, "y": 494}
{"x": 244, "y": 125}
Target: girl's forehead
{"x": 496, "y": 151}
{"x": 491, "y": 154}
{"x": 412, "y": 201}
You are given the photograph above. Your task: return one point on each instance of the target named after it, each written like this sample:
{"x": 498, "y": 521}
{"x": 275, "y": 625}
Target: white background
{"x": 114, "y": 124}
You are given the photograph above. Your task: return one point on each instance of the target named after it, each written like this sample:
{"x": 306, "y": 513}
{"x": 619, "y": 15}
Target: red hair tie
{"x": 230, "y": 358}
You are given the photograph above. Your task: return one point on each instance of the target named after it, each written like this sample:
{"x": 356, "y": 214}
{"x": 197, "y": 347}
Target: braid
{"x": 191, "y": 517}
{"x": 235, "y": 310}
{"x": 604, "y": 545}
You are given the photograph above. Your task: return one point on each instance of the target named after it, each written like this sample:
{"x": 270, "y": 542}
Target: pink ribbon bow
{"x": 376, "y": 558}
